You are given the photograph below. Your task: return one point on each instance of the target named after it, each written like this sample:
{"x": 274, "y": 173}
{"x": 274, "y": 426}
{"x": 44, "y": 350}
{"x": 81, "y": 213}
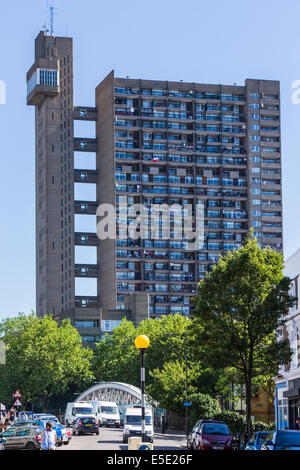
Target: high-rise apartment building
{"x": 156, "y": 142}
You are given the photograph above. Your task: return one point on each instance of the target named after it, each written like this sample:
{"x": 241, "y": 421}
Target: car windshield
{"x": 137, "y": 419}
{"x": 83, "y": 411}
{"x": 87, "y": 420}
{"x": 261, "y": 437}
{"x": 112, "y": 410}
{"x": 220, "y": 429}
{"x": 288, "y": 439}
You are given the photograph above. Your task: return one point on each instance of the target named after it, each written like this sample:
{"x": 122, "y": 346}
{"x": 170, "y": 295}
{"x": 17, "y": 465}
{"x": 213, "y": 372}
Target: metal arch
{"x": 112, "y": 391}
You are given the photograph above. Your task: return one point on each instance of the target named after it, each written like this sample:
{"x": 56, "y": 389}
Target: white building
{"x": 287, "y": 401}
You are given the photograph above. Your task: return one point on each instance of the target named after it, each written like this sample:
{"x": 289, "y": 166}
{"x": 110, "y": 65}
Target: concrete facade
{"x": 156, "y": 142}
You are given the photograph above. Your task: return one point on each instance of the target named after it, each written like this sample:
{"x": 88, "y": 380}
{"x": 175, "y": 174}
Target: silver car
{"x": 24, "y": 437}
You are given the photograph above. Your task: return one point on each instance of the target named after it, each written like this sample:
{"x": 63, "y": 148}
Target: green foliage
{"x": 261, "y": 426}
{"x": 233, "y": 419}
{"x": 239, "y": 314}
{"x": 203, "y": 407}
{"x": 42, "y": 359}
{"x": 116, "y": 357}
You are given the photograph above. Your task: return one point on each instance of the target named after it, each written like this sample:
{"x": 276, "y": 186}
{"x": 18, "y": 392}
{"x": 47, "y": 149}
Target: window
{"x": 255, "y": 116}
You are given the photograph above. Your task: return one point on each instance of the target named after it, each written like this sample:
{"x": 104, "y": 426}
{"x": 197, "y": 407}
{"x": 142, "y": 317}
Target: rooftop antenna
{"x": 51, "y": 20}
{"x": 51, "y": 9}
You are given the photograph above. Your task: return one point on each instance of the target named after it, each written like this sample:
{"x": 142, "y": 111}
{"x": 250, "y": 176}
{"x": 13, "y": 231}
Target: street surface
{"x": 111, "y": 439}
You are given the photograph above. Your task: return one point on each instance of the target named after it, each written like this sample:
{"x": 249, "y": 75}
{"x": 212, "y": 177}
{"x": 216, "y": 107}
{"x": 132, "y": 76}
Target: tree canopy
{"x": 43, "y": 359}
{"x": 240, "y": 312}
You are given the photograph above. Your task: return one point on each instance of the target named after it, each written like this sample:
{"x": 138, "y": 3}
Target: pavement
{"x": 111, "y": 439}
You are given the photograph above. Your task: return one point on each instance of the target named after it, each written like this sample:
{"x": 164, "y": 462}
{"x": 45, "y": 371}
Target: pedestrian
{"x": 297, "y": 424}
{"x": 48, "y": 437}
{"x": 12, "y": 415}
{"x": 2, "y": 421}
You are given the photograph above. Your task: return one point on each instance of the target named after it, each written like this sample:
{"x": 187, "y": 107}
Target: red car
{"x": 214, "y": 436}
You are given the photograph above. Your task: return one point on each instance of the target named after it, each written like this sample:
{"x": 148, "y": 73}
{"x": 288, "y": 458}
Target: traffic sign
{"x": 17, "y": 403}
{"x": 187, "y": 404}
{"x": 17, "y": 394}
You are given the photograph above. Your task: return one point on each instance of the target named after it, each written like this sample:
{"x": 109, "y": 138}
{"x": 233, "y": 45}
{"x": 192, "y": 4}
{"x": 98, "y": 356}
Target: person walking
{"x": 12, "y": 415}
{"x": 48, "y": 437}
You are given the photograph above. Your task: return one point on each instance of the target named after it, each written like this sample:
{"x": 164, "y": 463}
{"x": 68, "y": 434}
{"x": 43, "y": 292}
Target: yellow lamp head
{"x": 142, "y": 342}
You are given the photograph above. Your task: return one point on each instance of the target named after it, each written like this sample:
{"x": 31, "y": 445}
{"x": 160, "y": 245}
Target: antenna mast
{"x": 51, "y": 20}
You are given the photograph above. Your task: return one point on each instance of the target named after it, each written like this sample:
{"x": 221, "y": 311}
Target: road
{"x": 111, "y": 439}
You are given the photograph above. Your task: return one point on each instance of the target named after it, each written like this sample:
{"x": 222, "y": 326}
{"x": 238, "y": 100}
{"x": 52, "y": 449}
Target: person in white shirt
{"x": 48, "y": 437}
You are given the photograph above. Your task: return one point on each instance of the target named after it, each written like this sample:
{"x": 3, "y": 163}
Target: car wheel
{"x": 31, "y": 446}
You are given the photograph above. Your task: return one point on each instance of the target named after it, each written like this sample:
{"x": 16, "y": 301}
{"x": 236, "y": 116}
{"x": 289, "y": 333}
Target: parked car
{"x": 192, "y": 442}
{"x": 42, "y": 423}
{"x": 282, "y": 440}
{"x": 20, "y": 415}
{"x": 22, "y": 437}
{"x": 86, "y": 425}
{"x": 213, "y": 435}
{"x": 256, "y": 440}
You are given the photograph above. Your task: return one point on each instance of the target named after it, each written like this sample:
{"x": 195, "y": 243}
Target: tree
{"x": 239, "y": 315}
{"x": 116, "y": 357}
{"x": 42, "y": 359}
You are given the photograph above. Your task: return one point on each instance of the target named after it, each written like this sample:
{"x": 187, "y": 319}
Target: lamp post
{"x": 142, "y": 343}
{"x": 184, "y": 335}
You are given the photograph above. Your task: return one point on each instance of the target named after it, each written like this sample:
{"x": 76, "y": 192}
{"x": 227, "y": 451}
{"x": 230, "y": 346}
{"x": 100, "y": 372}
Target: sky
{"x": 193, "y": 40}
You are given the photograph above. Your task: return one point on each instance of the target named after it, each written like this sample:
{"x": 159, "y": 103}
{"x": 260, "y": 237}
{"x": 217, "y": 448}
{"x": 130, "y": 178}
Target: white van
{"x": 76, "y": 409}
{"x": 133, "y": 424}
{"x": 107, "y": 413}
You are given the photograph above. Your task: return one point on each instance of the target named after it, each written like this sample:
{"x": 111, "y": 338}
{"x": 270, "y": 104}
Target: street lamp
{"x": 142, "y": 343}
{"x": 184, "y": 335}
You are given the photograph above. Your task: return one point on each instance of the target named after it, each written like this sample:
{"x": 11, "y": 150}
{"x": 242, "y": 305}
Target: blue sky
{"x": 214, "y": 42}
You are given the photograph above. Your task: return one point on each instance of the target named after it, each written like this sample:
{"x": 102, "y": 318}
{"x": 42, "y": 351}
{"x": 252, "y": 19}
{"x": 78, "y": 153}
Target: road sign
{"x": 187, "y": 404}
{"x": 145, "y": 447}
{"x": 17, "y": 403}
{"x": 17, "y": 394}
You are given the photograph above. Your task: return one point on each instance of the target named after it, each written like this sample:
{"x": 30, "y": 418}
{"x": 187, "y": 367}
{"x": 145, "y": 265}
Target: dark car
{"x": 213, "y": 435}
{"x": 256, "y": 440}
{"x": 86, "y": 425}
{"x": 282, "y": 440}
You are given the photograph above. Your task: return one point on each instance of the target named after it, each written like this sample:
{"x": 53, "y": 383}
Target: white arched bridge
{"x": 120, "y": 393}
